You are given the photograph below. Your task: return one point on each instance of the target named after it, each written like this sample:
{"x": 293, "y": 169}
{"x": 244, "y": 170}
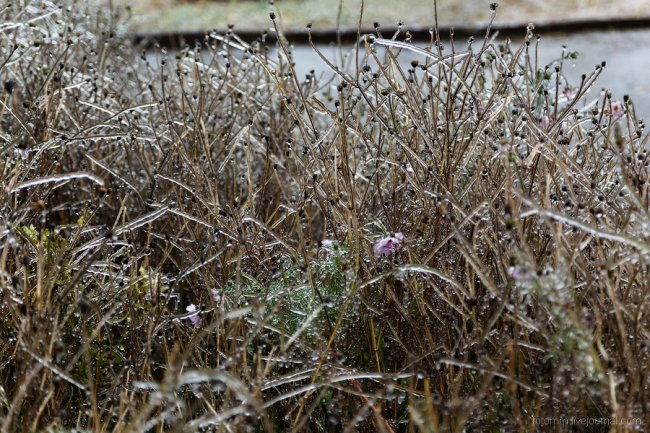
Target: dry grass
{"x": 130, "y": 191}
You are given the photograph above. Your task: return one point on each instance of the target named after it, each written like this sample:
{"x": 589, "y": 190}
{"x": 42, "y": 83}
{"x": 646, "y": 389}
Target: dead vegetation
{"x": 187, "y": 245}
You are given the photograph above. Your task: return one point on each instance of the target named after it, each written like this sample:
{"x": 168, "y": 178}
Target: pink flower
{"x": 520, "y": 273}
{"x": 196, "y": 320}
{"x": 544, "y": 121}
{"x": 388, "y": 245}
{"x": 569, "y": 92}
{"x": 216, "y": 297}
{"x": 617, "y": 109}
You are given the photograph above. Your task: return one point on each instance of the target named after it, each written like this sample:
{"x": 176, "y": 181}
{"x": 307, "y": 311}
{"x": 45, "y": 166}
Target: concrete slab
{"x": 627, "y": 54}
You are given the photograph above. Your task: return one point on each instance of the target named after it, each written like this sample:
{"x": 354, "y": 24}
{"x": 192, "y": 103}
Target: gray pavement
{"x": 628, "y": 62}
{"x": 627, "y": 54}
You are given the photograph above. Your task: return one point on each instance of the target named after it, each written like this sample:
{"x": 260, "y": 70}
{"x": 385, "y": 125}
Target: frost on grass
{"x": 428, "y": 236}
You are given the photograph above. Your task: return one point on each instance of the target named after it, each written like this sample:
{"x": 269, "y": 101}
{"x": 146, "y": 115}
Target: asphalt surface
{"x": 626, "y": 53}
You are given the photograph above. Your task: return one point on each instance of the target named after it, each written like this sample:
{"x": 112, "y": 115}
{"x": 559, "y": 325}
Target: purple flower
{"x": 216, "y": 297}
{"x": 569, "y": 92}
{"x": 409, "y": 170}
{"x": 388, "y": 245}
{"x": 617, "y": 109}
{"x": 544, "y": 121}
{"x": 196, "y": 320}
{"x": 480, "y": 108}
{"x": 520, "y": 273}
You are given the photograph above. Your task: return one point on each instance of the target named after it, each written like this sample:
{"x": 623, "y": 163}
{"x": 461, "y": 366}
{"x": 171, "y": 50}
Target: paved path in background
{"x": 627, "y": 54}
{"x": 628, "y": 62}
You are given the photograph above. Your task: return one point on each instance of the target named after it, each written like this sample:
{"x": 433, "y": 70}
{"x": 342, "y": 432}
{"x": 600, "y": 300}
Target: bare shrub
{"x": 187, "y": 239}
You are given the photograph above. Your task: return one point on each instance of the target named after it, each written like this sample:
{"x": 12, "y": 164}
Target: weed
{"x": 439, "y": 238}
